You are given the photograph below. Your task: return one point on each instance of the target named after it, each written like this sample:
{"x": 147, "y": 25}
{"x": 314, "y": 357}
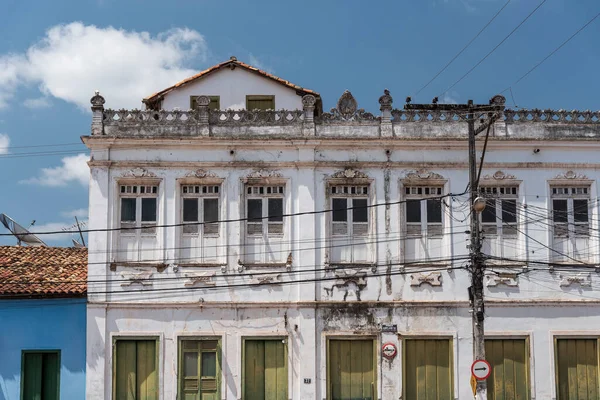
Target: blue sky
{"x": 54, "y": 54}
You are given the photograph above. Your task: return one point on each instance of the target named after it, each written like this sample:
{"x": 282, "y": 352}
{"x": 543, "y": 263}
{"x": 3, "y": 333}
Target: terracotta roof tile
{"x": 43, "y": 271}
{"x": 232, "y": 61}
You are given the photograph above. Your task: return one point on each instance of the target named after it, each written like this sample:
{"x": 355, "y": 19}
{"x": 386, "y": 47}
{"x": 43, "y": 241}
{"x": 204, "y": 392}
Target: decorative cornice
{"x": 263, "y": 173}
{"x": 570, "y": 175}
{"x": 349, "y": 173}
{"x": 138, "y": 173}
{"x": 201, "y": 173}
{"x": 499, "y": 176}
{"x": 422, "y": 174}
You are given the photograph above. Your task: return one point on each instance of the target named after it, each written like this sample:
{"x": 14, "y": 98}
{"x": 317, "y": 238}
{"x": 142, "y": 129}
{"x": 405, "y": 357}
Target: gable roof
{"x": 43, "y": 271}
{"x": 231, "y": 63}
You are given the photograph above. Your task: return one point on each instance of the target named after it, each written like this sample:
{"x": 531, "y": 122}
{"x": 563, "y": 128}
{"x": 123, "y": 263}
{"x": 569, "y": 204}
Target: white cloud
{"x": 73, "y": 169}
{"x": 40, "y": 102}
{"x": 79, "y": 213}
{"x": 58, "y": 238}
{"x": 4, "y": 143}
{"x": 450, "y": 98}
{"x": 255, "y": 62}
{"x": 73, "y": 60}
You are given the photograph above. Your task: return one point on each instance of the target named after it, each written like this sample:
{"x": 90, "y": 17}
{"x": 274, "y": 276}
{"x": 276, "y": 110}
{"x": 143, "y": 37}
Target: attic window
{"x": 254, "y": 102}
{"x": 215, "y": 102}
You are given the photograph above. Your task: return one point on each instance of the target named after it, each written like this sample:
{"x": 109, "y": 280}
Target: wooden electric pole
{"x": 492, "y": 109}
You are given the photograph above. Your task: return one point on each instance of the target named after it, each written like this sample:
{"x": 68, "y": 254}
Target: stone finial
{"x": 97, "y": 100}
{"x": 347, "y": 105}
{"x": 386, "y": 101}
{"x": 233, "y": 58}
{"x": 309, "y": 101}
{"x": 202, "y": 101}
{"x": 498, "y": 100}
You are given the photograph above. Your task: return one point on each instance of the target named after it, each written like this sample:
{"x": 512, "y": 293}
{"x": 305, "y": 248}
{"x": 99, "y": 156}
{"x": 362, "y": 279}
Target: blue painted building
{"x": 42, "y": 323}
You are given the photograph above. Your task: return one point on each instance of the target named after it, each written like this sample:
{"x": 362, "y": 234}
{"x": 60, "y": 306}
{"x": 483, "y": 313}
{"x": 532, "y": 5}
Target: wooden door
{"x": 428, "y": 369}
{"x": 352, "y": 373}
{"x": 510, "y": 369}
{"x": 265, "y": 370}
{"x": 577, "y": 369}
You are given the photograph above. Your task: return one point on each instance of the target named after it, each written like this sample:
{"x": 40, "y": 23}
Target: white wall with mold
{"x": 232, "y": 86}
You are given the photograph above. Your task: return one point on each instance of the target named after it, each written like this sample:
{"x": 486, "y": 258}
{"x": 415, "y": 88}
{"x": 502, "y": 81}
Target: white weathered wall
{"x": 232, "y": 86}
{"x": 538, "y": 308}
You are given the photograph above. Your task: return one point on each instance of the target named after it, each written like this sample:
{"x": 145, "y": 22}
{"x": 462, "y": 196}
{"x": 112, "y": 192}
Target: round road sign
{"x": 388, "y": 350}
{"x": 481, "y": 369}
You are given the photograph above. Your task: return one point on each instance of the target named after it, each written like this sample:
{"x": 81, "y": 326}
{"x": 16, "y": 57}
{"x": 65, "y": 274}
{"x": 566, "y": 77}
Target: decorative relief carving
{"x": 499, "y": 176}
{"x": 200, "y": 278}
{"x": 502, "y": 278}
{"x": 138, "y": 173}
{"x": 498, "y": 100}
{"x": 571, "y": 175}
{"x": 263, "y": 173}
{"x": 583, "y": 279}
{"x": 139, "y": 276}
{"x": 422, "y": 174}
{"x": 349, "y": 173}
{"x": 203, "y": 101}
{"x": 432, "y": 278}
{"x": 256, "y": 117}
{"x": 346, "y": 276}
{"x": 201, "y": 173}
{"x": 347, "y": 110}
{"x": 266, "y": 279}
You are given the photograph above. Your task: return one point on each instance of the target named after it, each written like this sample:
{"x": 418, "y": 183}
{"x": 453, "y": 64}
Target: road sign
{"x": 481, "y": 369}
{"x": 474, "y": 385}
{"x": 389, "y": 351}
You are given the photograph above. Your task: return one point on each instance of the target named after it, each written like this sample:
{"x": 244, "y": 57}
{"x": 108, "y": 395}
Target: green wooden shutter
{"x": 577, "y": 369}
{"x": 510, "y": 369}
{"x": 260, "y": 102}
{"x": 265, "y": 370}
{"x": 200, "y": 370}
{"x": 136, "y": 376}
{"x": 428, "y": 369}
{"x": 351, "y": 370}
{"x": 40, "y": 376}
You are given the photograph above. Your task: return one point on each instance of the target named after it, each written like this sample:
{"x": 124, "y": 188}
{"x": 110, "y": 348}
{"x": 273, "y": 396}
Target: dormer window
{"x": 215, "y": 102}
{"x": 254, "y": 102}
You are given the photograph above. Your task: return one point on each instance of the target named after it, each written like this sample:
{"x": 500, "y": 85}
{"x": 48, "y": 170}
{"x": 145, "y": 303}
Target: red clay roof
{"x": 43, "y": 271}
{"x": 231, "y": 62}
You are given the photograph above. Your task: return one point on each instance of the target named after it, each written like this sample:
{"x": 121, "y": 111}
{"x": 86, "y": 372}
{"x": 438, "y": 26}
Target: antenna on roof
{"x": 22, "y": 234}
{"x": 77, "y": 244}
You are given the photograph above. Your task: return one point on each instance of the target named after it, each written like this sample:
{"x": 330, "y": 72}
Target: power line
{"x": 232, "y": 220}
{"x": 551, "y": 54}
{"x": 494, "y": 49}
{"x": 463, "y": 49}
{"x": 45, "y": 145}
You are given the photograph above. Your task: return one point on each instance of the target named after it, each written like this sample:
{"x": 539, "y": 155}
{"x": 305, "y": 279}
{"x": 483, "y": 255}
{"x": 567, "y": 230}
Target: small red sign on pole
{"x": 481, "y": 369}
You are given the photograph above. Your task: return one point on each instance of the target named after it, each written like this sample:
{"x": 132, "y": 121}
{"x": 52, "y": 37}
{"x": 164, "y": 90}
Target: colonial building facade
{"x": 247, "y": 245}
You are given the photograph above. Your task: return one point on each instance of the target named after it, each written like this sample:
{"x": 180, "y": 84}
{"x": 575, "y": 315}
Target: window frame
{"x": 498, "y": 227}
{"x": 200, "y": 197}
{"x": 113, "y": 366}
{"x": 571, "y": 225}
{"x": 138, "y": 223}
{"x": 264, "y": 198}
{"x": 259, "y": 97}
{"x": 180, "y": 366}
{"x": 213, "y": 98}
{"x": 423, "y": 199}
{"x": 34, "y": 351}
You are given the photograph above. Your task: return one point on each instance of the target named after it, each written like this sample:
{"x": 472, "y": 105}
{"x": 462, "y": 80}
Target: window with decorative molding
{"x": 200, "y": 212}
{"x": 265, "y": 226}
{"x": 350, "y": 220}
{"x": 500, "y": 214}
{"x": 423, "y": 221}
{"x": 571, "y": 221}
{"x": 138, "y": 219}
{"x": 423, "y": 210}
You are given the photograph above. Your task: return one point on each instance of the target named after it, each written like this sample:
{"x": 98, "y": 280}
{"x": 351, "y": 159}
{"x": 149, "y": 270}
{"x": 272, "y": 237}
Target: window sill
{"x": 160, "y": 267}
{"x": 264, "y": 266}
{"x": 332, "y": 266}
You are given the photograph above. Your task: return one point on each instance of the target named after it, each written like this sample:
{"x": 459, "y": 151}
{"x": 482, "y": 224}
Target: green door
{"x": 428, "y": 369}
{"x": 577, "y": 369}
{"x": 510, "y": 369}
{"x": 135, "y": 376}
{"x": 351, "y": 370}
{"x": 40, "y": 376}
{"x": 199, "y": 370}
{"x": 265, "y": 370}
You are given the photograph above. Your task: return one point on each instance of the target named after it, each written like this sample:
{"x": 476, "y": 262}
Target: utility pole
{"x": 477, "y": 205}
